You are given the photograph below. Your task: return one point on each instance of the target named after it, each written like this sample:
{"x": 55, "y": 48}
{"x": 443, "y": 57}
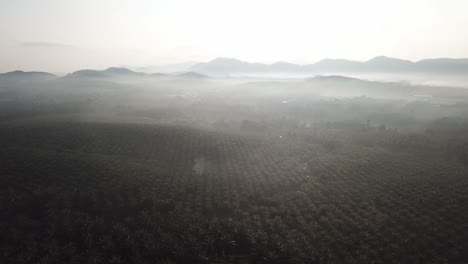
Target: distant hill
{"x": 116, "y": 73}
{"x": 112, "y": 72}
{"x": 333, "y": 85}
{"x": 379, "y": 64}
{"x": 443, "y": 65}
{"x": 169, "y": 68}
{"x": 332, "y": 65}
{"x": 95, "y": 77}
{"x": 192, "y": 75}
{"x": 229, "y": 65}
{"x": 334, "y": 78}
{"x": 284, "y": 67}
{"x": 26, "y": 76}
{"x": 158, "y": 74}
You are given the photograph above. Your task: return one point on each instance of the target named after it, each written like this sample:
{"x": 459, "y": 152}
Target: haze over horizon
{"x": 192, "y": 65}
{"x": 64, "y": 36}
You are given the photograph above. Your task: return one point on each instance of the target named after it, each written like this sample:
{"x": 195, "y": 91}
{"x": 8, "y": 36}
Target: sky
{"x": 66, "y": 35}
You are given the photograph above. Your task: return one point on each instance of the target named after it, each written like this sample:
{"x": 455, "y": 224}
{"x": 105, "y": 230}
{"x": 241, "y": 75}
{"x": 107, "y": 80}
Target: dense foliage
{"x": 109, "y": 193}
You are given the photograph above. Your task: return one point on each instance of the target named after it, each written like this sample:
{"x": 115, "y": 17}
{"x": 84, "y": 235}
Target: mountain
{"x": 26, "y": 76}
{"x": 226, "y": 66}
{"x": 169, "y": 68}
{"x": 229, "y": 65}
{"x": 333, "y": 65}
{"x": 112, "y": 72}
{"x": 444, "y": 65}
{"x": 387, "y": 64}
{"x": 379, "y": 64}
{"x": 115, "y": 74}
{"x": 284, "y": 67}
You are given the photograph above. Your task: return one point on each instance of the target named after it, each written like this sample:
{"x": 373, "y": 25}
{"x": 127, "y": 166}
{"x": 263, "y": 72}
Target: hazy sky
{"x": 66, "y": 35}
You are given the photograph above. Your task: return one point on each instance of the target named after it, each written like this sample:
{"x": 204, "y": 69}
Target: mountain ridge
{"x": 27, "y": 75}
{"x": 381, "y": 64}
{"x": 226, "y": 66}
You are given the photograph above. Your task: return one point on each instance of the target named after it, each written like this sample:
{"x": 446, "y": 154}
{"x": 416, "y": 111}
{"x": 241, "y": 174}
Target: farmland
{"x": 93, "y": 192}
